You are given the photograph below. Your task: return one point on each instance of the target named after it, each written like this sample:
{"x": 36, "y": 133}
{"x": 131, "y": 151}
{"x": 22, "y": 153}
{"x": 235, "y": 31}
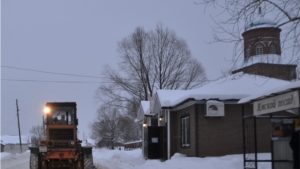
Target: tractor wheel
{"x": 88, "y": 161}
{"x": 79, "y": 164}
{"x": 34, "y": 161}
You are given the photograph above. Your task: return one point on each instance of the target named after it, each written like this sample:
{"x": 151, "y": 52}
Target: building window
{"x": 248, "y": 52}
{"x": 272, "y": 48}
{"x": 259, "y": 49}
{"x": 185, "y": 131}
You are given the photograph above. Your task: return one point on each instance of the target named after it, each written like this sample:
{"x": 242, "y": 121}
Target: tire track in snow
{"x": 15, "y": 161}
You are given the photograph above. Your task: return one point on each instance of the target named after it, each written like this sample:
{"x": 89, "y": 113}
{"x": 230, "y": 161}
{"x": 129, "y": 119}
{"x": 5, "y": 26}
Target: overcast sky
{"x": 80, "y": 37}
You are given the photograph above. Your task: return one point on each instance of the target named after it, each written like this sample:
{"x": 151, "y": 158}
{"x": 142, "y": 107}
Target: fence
{"x": 132, "y": 145}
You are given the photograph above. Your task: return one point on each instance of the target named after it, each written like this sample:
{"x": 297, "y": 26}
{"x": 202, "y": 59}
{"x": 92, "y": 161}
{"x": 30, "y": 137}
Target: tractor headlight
{"x": 47, "y": 110}
{"x": 72, "y": 143}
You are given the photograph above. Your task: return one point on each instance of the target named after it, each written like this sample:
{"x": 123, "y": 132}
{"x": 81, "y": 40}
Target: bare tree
{"x": 37, "y": 134}
{"x": 112, "y": 126}
{"x": 286, "y": 13}
{"x": 150, "y": 61}
{"x": 298, "y": 72}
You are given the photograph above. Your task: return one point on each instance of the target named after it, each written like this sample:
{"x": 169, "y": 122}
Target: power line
{"x": 66, "y": 74}
{"x": 27, "y": 119}
{"x": 57, "y": 73}
{"x": 13, "y": 119}
{"x": 50, "y": 81}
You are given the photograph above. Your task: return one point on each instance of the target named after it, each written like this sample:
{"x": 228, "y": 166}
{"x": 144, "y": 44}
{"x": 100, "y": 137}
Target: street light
{"x": 145, "y": 124}
{"x": 161, "y": 118}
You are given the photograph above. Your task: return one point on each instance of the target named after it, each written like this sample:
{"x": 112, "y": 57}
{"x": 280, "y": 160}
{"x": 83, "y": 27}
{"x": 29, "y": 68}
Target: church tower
{"x": 262, "y": 51}
{"x": 261, "y": 37}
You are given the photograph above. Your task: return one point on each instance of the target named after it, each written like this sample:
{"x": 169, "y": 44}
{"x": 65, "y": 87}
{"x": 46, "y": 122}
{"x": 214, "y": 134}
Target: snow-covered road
{"x": 18, "y": 161}
{"x": 21, "y": 161}
{"x": 102, "y": 160}
{"x": 120, "y": 159}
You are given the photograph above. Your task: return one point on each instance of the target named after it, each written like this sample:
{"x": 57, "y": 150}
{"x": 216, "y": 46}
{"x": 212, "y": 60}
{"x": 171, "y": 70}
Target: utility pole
{"x": 19, "y": 125}
{"x": 44, "y": 128}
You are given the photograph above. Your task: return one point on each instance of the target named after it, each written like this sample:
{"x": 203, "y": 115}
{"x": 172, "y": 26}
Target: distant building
{"x": 2, "y": 146}
{"x": 11, "y": 144}
{"x": 88, "y": 142}
{"x": 104, "y": 143}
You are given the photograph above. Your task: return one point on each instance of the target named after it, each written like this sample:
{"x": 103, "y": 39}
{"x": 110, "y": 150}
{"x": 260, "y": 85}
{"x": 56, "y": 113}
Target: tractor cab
{"x": 61, "y": 114}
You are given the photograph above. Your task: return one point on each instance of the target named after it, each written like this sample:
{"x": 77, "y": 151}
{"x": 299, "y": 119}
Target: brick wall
{"x": 284, "y": 72}
{"x": 264, "y": 36}
{"x": 221, "y": 135}
{"x": 215, "y": 136}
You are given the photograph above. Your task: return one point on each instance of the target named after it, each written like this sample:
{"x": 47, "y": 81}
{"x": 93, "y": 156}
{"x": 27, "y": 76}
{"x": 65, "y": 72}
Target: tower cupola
{"x": 261, "y": 37}
{"x": 262, "y": 50}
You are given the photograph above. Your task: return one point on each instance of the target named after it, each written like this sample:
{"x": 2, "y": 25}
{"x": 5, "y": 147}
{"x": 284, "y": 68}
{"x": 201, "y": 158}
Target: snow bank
{"x": 116, "y": 159}
{"x": 119, "y": 159}
{"x": 4, "y": 154}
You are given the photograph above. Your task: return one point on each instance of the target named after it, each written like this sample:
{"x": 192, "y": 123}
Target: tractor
{"x": 61, "y": 148}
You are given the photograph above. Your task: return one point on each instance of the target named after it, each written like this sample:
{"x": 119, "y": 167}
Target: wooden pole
{"x": 19, "y": 126}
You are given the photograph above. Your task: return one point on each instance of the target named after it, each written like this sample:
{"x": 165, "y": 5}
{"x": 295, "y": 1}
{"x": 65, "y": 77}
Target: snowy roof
{"x": 143, "y": 110}
{"x": 6, "y": 139}
{"x": 146, "y": 106}
{"x": 272, "y": 91}
{"x": 167, "y": 97}
{"x": 88, "y": 142}
{"x": 261, "y": 22}
{"x": 233, "y": 87}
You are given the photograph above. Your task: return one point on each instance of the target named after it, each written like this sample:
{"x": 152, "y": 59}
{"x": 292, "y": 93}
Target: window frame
{"x": 272, "y": 48}
{"x": 259, "y": 49}
{"x": 248, "y": 52}
{"x": 185, "y": 131}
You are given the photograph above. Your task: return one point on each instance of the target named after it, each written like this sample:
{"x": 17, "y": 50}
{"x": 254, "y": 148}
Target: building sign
{"x": 277, "y": 103}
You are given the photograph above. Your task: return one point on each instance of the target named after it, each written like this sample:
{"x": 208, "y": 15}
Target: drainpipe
{"x": 169, "y": 134}
{"x": 143, "y": 139}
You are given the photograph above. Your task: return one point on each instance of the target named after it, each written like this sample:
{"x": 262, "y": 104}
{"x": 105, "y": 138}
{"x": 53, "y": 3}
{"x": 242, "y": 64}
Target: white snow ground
{"x": 119, "y": 159}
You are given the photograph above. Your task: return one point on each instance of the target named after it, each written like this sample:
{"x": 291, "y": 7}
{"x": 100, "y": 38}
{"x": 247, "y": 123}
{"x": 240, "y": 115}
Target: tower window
{"x": 259, "y": 49}
{"x": 272, "y": 48}
{"x": 248, "y": 52}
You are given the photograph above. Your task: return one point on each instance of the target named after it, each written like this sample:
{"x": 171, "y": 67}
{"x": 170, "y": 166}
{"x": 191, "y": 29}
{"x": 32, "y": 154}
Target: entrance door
{"x": 155, "y": 142}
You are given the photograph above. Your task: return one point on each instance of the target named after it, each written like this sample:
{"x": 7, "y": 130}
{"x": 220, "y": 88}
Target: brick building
{"x": 208, "y": 121}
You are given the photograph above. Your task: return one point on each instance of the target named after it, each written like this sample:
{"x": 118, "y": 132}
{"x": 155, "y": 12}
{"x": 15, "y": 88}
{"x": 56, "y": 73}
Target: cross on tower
{"x": 259, "y": 6}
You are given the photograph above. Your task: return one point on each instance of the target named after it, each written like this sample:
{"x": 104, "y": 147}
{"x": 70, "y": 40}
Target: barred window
{"x": 185, "y": 131}
{"x": 259, "y": 49}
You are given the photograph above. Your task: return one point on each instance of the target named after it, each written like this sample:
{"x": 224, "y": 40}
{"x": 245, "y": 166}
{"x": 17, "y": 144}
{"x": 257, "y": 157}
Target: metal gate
{"x": 145, "y": 142}
{"x": 279, "y": 150}
{"x": 250, "y": 146}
